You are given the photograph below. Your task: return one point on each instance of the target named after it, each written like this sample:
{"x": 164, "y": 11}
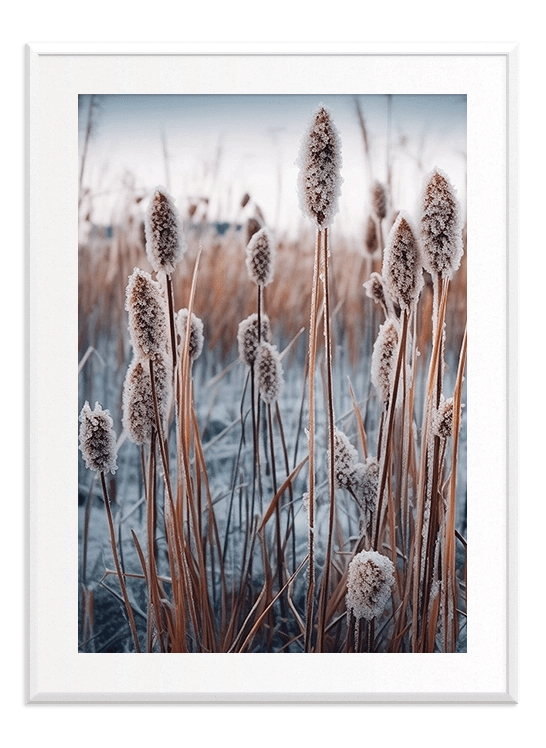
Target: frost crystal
{"x": 402, "y": 264}
{"x": 383, "y": 359}
{"x": 260, "y": 255}
{"x": 441, "y": 230}
{"x": 196, "y": 333}
{"x": 319, "y": 183}
{"x": 98, "y": 439}
{"x": 138, "y": 405}
{"x": 147, "y": 314}
{"x": 369, "y": 581}
{"x": 247, "y": 336}
{"x": 164, "y": 244}
{"x": 305, "y": 500}
{"x": 269, "y": 373}
{"x": 443, "y": 420}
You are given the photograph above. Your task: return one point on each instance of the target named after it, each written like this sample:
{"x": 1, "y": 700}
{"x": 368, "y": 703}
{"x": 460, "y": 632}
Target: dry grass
{"x": 210, "y": 523}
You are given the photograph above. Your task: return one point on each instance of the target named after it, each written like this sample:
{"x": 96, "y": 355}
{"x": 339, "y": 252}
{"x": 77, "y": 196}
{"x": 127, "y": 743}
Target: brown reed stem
{"x": 331, "y": 428}
{"x": 128, "y": 607}
{"x": 170, "y": 297}
{"x": 312, "y": 354}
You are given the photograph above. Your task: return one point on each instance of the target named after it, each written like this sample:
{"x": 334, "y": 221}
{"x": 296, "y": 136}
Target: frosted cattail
{"x": 345, "y": 460}
{"x": 375, "y": 289}
{"x": 366, "y": 484}
{"x": 379, "y": 200}
{"x": 252, "y": 226}
{"x": 247, "y": 337}
{"x": 441, "y": 231}
{"x": 319, "y": 183}
{"x": 402, "y": 264}
{"x": 260, "y": 256}
{"x": 370, "y": 237}
{"x": 195, "y": 345}
{"x": 138, "y": 405}
{"x": 98, "y": 439}
{"x": 383, "y": 359}
{"x": 369, "y": 581}
{"x": 269, "y": 373}
{"x": 164, "y": 243}
{"x": 443, "y": 420}
{"x": 147, "y": 314}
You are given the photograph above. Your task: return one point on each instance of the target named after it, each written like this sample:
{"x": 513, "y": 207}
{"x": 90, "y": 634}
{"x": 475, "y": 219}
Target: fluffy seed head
{"x": 402, "y": 264}
{"x": 319, "y": 183}
{"x": 260, "y": 256}
{"x": 383, "y": 359}
{"x": 269, "y": 373}
{"x": 375, "y": 289}
{"x": 247, "y": 336}
{"x": 98, "y": 439}
{"x": 379, "y": 200}
{"x": 345, "y": 460}
{"x": 441, "y": 230}
{"x": 252, "y": 226}
{"x": 369, "y": 581}
{"x": 138, "y": 406}
{"x": 443, "y": 420}
{"x": 196, "y": 333}
{"x": 164, "y": 243}
{"x": 366, "y": 484}
{"x": 147, "y": 314}
{"x": 370, "y": 238}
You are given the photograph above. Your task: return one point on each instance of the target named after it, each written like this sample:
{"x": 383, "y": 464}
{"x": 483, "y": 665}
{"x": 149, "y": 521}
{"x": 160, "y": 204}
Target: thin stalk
{"x": 312, "y": 354}
{"x": 331, "y": 429}
{"x": 128, "y": 607}
{"x": 170, "y": 297}
{"x": 290, "y": 489}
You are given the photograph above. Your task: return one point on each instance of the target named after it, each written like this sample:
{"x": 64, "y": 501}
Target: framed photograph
{"x": 272, "y": 390}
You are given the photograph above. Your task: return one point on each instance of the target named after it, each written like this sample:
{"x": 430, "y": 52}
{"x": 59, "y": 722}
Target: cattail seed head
{"x": 383, "y": 358}
{"x": 345, "y": 460}
{"x": 370, "y": 238}
{"x": 441, "y": 230}
{"x": 195, "y": 345}
{"x": 147, "y": 314}
{"x": 375, "y": 289}
{"x": 260, "y": 255}
{"x": 442, "y": 425}
{"x": 369, "y": 581}
{"x": 320, "y": 181}
{"x": 252, "y": 226}
{"x": 366, "y": 485}
{"x": 164, "y": 243}
{"x": 138, "y": 405}
{"x": 402, "y": 264}
{"x": 269, "y": 373}
{"x": 247, "y": 337}
{"x": 98, "y": 439}
{"x": 379, "y": 200}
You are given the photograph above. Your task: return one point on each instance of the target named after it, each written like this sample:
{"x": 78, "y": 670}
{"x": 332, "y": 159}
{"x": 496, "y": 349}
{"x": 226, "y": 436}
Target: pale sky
{"x": 222, "y": 146}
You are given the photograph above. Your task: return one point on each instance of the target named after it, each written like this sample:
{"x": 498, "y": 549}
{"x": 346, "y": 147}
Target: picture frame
{"x": 487, "y": 75}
